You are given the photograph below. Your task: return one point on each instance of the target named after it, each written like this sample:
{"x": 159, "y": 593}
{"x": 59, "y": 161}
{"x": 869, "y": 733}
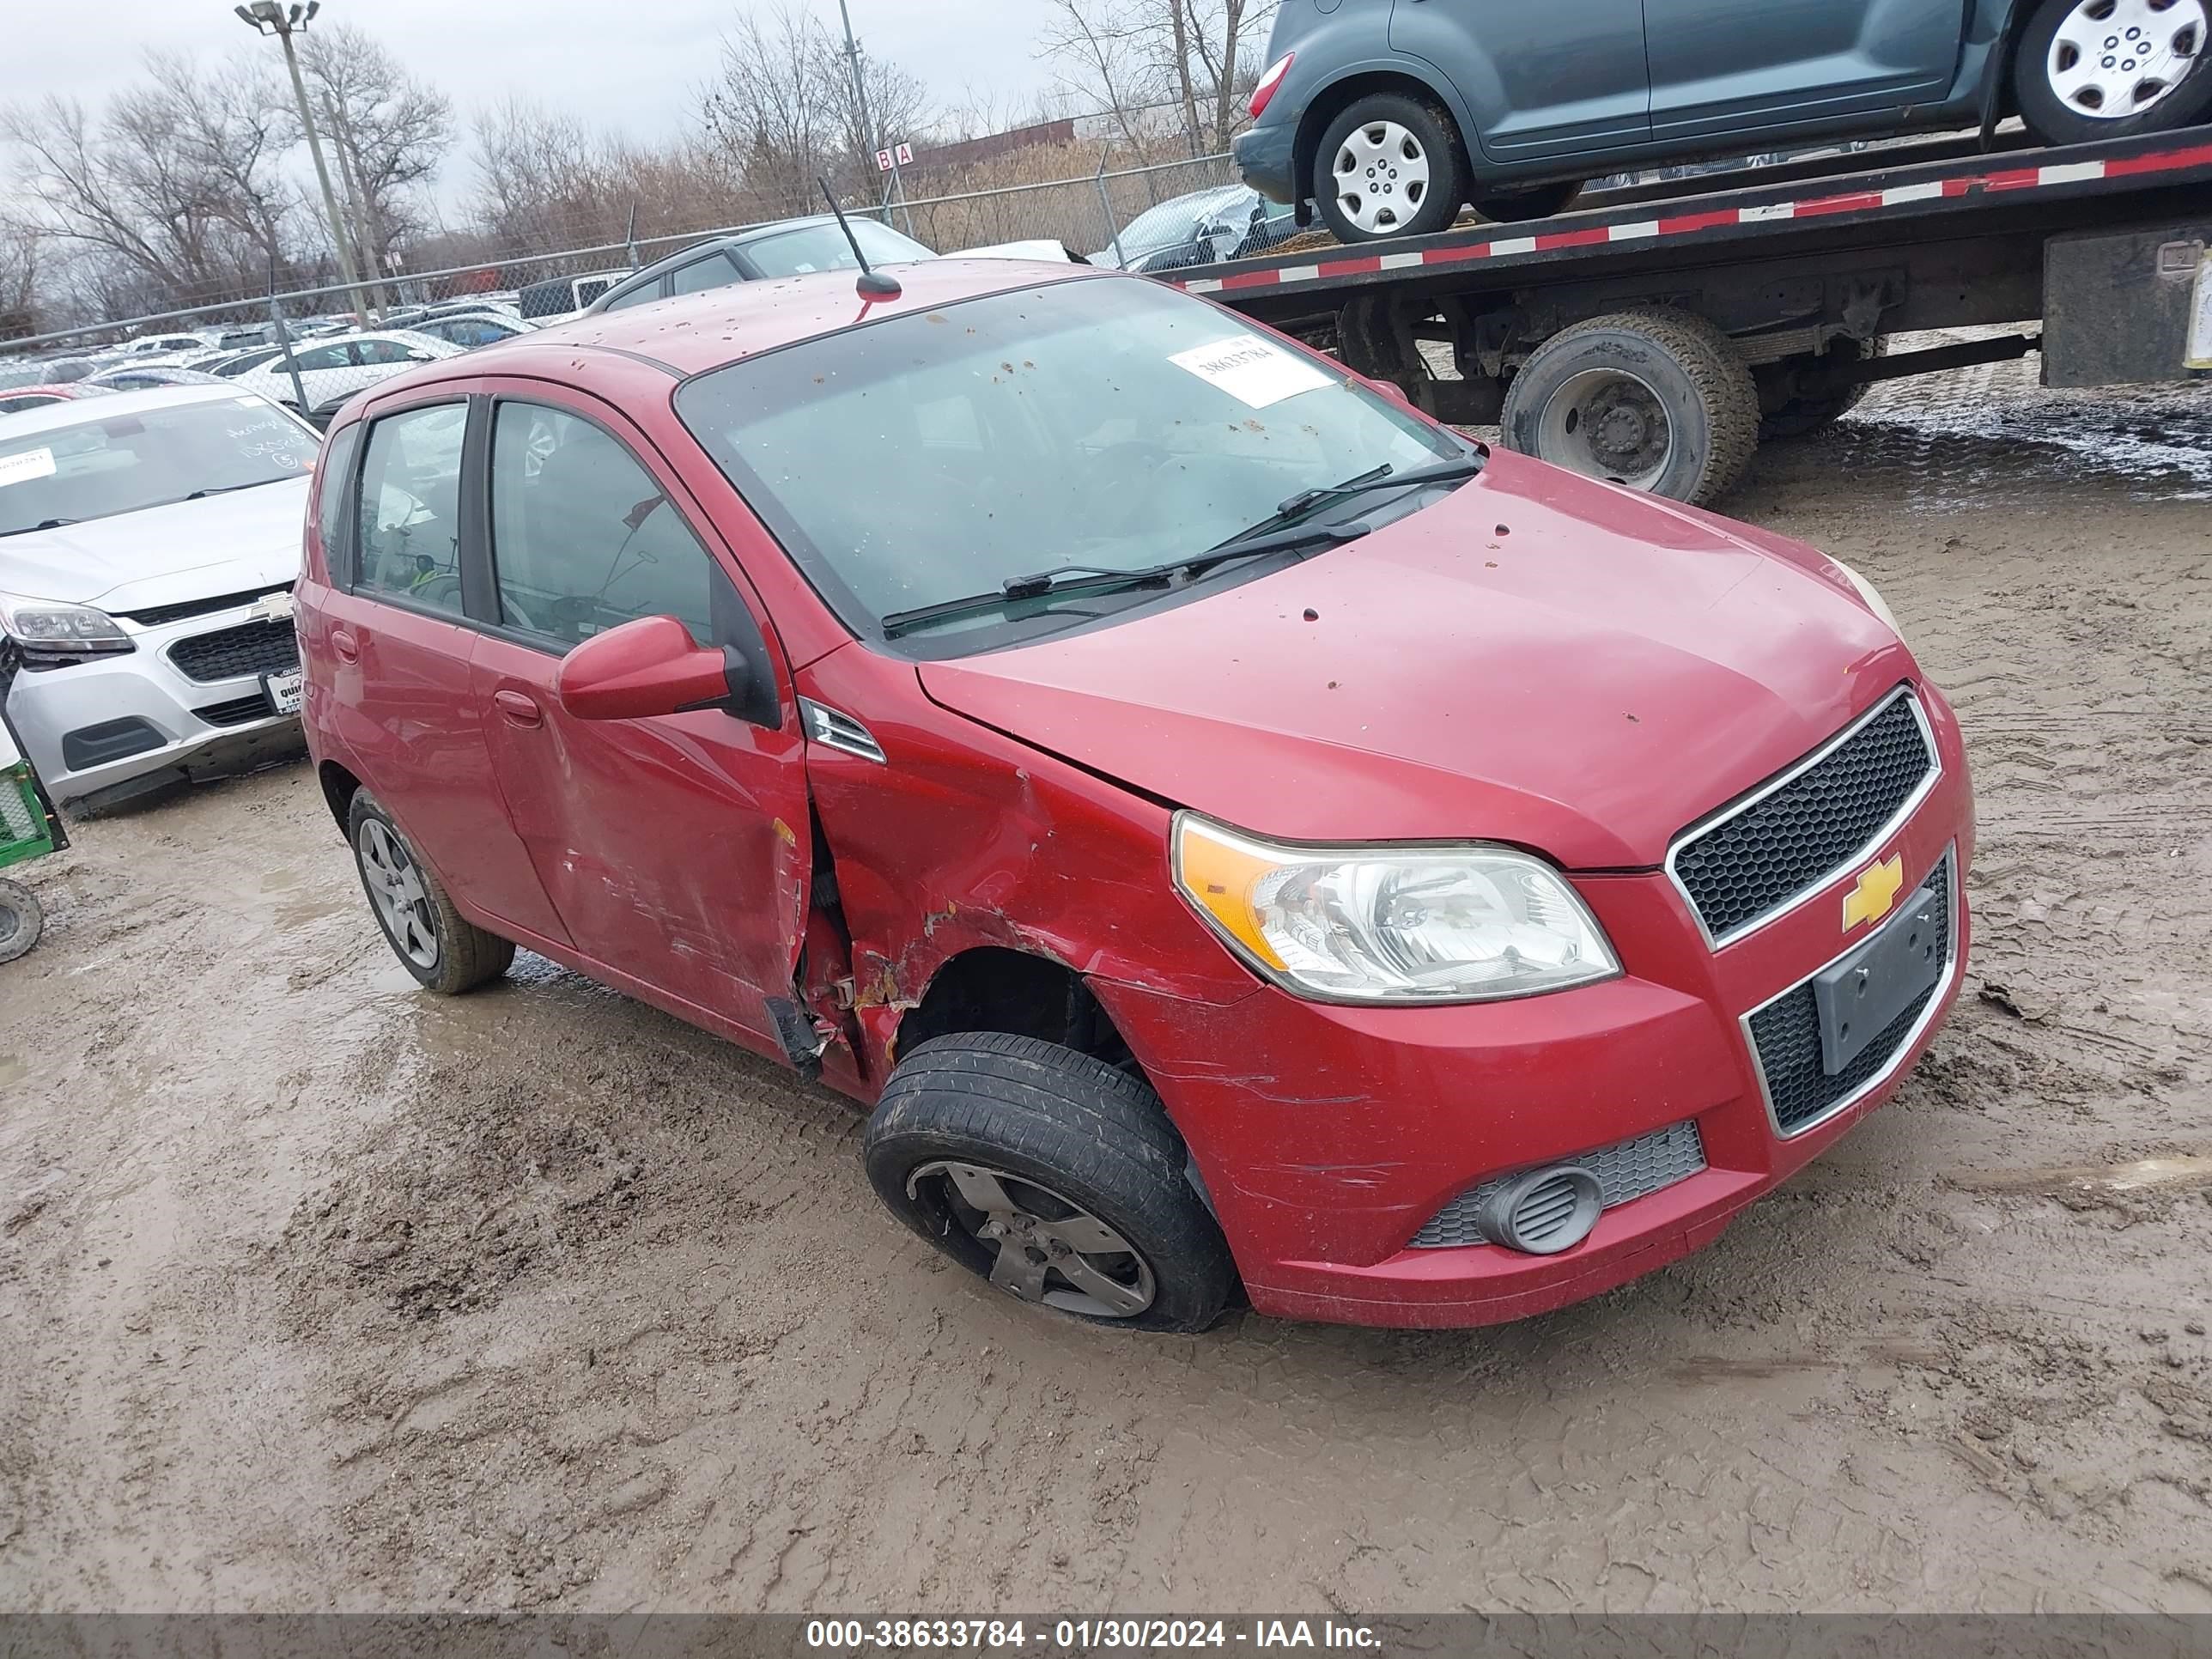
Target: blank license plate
{"x": 282, "y": 691}
{"x": 1862, "y": 993}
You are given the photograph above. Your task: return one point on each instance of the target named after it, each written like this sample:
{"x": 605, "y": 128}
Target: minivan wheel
{"x": 446, "y": 952}
{"x": 1052, "y": 1175}
{"x": 1511, "y": 207}
{"x": 2086, "y": 69}
{"x": 1389, "y": 165}
{"x": 1656, "y": 399}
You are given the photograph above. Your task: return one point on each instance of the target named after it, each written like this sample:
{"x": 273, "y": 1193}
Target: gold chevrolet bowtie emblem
{"x": 1873, "y": 893}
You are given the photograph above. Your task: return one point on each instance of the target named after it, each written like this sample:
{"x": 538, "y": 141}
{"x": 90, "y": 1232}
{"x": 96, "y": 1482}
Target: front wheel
{"x": 1656, "y": 399}
{"x": 1389, "y": 166}
{"x": 21, "y": 921}
{"x": 2086, "y": 69}
{"x": 1052, "y": 1175}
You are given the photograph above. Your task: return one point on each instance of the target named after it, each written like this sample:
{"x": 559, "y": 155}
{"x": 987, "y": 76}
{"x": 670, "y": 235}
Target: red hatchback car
{"x": 1233, "y": 830}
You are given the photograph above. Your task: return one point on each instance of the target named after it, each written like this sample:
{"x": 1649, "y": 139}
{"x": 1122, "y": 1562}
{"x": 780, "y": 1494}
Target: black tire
{"x": 465, "y": 956}
{"x": 1432, "y": 129}
{"x": 21, "y": 920}
{"x": 2054, "y": 121}
{"x": 1513, "y": 207}
{"x": 1796, "y": 416}
{"x": 1059, "y": 1126}
{"x": 1664, "y": 363}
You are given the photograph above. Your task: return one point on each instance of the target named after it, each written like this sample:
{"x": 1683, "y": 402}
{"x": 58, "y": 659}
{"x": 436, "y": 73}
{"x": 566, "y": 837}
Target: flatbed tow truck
{"x": 1657, "y": 333}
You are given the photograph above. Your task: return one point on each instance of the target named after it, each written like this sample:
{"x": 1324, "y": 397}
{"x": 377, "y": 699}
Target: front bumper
{"x": 1264, "y": 159}
{"x": 1328, "y": 1136}
{"x": 105, "y": 731}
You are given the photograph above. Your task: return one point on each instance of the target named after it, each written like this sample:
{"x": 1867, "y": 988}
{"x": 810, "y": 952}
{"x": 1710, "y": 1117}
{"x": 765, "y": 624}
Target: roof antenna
{"x": 872, "y": 285}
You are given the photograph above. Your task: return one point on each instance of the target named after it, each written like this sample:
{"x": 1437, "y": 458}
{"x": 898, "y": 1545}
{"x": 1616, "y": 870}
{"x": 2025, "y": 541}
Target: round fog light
{"x": 1541, "y": 1212}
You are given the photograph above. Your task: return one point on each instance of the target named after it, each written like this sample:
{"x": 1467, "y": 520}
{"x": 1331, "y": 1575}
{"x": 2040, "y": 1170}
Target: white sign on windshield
{"x": 21, "y": 468}
{"x": 1254, "y": 371}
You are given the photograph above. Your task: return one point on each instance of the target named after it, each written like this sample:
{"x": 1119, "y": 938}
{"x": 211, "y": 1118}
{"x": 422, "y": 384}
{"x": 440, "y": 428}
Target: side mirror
{"x": 647, "y": 667}
{"x": 415, "y": 355}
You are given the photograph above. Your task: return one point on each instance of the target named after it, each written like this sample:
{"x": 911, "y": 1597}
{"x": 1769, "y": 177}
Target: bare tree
{"x": 395, "y": 131}
{"x": 19, "y": 281}
{"x": 771, "y": 106}
{"x": 1130, "y": 55}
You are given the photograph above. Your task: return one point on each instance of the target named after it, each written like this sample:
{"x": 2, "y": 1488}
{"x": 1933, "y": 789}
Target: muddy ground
{"x": 315, "y": 1293}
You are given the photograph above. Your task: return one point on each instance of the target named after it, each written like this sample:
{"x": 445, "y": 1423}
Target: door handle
{"x": 342, "y": 642}
{"x": 520, "y": 710}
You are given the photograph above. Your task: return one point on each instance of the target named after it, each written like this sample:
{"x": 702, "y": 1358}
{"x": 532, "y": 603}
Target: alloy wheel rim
{"x": 1046, "y": 1247}
{"x": 1381, "y": 176}
{"x": 395, "y": 887}
{"x": 1607, "y": 424}
{"x": 2114, "y": 58}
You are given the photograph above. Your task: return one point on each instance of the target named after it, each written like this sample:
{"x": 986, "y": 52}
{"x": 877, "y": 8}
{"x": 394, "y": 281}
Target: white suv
{"x": 149, "y": 542}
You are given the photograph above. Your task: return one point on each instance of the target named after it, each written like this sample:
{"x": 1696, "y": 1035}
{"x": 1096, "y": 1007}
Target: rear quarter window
{"x": 333, "y": 489}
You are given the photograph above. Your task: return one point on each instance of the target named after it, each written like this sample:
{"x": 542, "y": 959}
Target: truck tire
{"x": 1052, "y": 1175}
{"x": 21, "y": 921}
{"x": 1397, "y": 161}
{"x": 1795, "y": 416}
{"x": 1655, "y": 399}
{"x": 2086, "y": 69}
{"x": 1512, "y": 207}
{"x": 445, "y": 951}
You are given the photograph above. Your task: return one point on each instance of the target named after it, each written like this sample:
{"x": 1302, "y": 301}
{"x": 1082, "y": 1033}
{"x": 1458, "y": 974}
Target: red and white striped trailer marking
{"x": 1359, "y": 264}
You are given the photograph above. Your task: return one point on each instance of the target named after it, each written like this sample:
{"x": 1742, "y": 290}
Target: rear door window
{"x": 409, "y": 538}
{"x": 713, "y": 271}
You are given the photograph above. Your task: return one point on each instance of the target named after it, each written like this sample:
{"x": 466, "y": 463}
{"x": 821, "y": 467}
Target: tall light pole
{"x": 268, "y": 17}
{"x": 870, "y": 138}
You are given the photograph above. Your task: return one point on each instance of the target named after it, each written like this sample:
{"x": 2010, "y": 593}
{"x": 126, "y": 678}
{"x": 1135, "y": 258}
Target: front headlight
{"x": 38, "y": 625}
{"x": 1873, "y": 600}
{"x": 1393, "y": 925}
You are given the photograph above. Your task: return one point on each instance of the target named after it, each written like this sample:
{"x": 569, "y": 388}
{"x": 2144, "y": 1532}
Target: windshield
{"x": 824, "y": 247}
{"x": 102, "y": 465}
{"x": 1174, "y": 223}
{"x": 1109, "y": 422}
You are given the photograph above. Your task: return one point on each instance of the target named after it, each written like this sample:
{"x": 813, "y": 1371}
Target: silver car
{"x": 148, "y": 543}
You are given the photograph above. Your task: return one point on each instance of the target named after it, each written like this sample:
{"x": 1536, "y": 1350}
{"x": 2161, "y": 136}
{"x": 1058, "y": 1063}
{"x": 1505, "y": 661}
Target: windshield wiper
{"x": 49, "y": 523}
{"x": 1384, "y": 477}
{"x": 225, "y": 490}
{"x": 1069, "y": 580}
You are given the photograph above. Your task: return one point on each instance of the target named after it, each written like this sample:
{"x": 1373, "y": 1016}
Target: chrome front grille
{"x": 1801, "y": 829}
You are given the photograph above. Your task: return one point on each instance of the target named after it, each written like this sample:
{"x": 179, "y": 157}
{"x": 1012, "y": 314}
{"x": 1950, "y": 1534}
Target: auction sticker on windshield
{"x": 29, "y": 465}
{"x": 1254, "y": 371}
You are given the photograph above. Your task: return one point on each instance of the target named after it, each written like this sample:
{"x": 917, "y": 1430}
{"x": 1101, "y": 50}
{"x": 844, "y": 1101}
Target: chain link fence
{"x": 312, "y": 348}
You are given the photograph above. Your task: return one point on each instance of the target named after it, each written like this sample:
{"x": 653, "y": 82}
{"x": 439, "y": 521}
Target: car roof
{"x": 77, "y": 410}
{"x": 695, "y": 333}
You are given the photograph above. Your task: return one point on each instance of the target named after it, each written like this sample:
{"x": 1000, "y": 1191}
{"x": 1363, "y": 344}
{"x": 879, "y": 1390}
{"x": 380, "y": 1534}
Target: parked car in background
{"x": 564, "y": 296}
{"x": 1389, "y": 116}
{"x": 156, "y": 345}
{"x": 144, "y": 377}
{"x": 148, "y": 541}
{"x": 792, "y": 247}
{"x": 469, "y": 328}
{"x": 1229, "y": 221}
{"x": 16, "y": 399}
{"x": 331, "y": 370}
{"x": 1228, "y": 827}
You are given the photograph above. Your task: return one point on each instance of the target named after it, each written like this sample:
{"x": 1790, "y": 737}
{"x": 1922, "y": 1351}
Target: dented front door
{"x": 675, "y": 848}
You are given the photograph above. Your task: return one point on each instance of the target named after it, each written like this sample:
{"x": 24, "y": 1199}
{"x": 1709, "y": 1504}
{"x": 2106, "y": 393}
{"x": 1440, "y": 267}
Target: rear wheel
{"x": 1511, "y": 207}
{"x": 21, "y": 920}
{"x": 445, "y": 951}
{"x": 1389, "y": 166}
{"x": 1052, "y": 1175}
{"x": 2086, "y": 69}
{"x": 1656, "y": 400}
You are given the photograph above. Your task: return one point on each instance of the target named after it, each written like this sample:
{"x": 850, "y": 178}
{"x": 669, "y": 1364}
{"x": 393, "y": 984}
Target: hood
{"x": 1538, "y": 659}
{"x": 186, "y": 551}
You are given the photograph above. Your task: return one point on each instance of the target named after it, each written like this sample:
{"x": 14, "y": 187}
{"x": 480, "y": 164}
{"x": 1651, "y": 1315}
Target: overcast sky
{"x": 634, "y": 65}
